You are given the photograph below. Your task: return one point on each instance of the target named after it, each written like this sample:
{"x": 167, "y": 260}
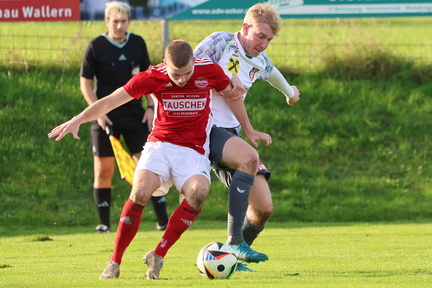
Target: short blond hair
{"x": 263, "y": 13}
{"x": 117, "y": 7}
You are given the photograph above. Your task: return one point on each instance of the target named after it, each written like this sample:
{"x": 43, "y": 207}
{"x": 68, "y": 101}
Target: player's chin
{"x": 120, "y": 34}
{"x": 256, "y": 52}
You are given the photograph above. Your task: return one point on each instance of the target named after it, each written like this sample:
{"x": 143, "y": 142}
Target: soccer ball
{"x": 217, "y": 261}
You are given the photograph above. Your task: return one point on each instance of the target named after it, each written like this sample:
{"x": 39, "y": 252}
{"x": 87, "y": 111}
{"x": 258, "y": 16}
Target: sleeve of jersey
{"x": 212, "y": 46}
{"x": 144, "y": 56}
{"x": 277, "y": 80}
{"x": 268, "y": 67}
{"x": 88, "y": 63}
{"x": 140, "y": 84}
{"x": 222, "y": 80}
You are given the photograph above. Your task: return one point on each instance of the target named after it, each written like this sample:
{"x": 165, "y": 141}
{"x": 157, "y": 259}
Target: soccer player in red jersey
{"x": 177, "y": 149}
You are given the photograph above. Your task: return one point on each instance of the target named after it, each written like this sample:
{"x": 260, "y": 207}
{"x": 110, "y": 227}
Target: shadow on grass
{"x": 45, "y": 232}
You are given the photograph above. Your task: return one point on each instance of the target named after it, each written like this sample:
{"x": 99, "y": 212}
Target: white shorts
{"x": 173, "y": 163}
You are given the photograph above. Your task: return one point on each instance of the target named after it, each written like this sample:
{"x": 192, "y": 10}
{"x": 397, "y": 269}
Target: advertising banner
{"x": 74, "y": 10}
{"x": 228, "y": 9}
{"x": 39, "y": 10}
{"x": 140, "y": 9}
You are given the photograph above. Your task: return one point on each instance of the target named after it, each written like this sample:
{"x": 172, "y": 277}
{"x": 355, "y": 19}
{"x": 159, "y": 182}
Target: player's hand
{"x": 104, "y": 121}
{"x": 238, "y": 89}
{"x": 291, "y": 101}
{"x": 254, "y": 136}
{"x": 62, "y": 130}
{"x": 148, "y": 117}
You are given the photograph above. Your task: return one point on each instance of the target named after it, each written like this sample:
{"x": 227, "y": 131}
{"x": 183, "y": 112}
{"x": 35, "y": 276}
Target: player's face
{"x": 180, "y": 76}
{"x": 256, "y": 38}
{"x": 117, "y": 25}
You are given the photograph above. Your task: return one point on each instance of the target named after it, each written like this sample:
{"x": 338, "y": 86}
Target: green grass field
{"x": 355, "y": 148}
{"x": 351, "y": 163}
{"x": 300, "y": 255}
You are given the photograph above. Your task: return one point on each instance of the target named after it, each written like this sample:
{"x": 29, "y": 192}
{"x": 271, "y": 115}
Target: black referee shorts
{"x": 134, "y": 134}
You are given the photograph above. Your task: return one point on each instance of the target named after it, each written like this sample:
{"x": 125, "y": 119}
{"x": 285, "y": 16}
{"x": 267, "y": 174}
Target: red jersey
{"x": 183, "y": 114}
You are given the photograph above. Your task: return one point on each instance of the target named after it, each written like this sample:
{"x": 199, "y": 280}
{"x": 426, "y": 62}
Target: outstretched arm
{"x": 238, "y": 108}
{"x": 86, "y": 86}
{"x": 277, "y": 80}
{"x": 92, "y": 112}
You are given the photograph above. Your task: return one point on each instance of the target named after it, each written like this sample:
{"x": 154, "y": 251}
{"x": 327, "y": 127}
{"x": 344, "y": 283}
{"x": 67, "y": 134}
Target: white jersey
{"x": 225, "y": 49}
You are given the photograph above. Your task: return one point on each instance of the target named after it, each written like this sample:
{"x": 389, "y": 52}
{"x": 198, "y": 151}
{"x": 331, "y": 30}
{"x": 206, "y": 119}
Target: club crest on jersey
{"x": 201, "y": 83}
{"x": 233, "y": 65}
{"x": 252, "y": 73}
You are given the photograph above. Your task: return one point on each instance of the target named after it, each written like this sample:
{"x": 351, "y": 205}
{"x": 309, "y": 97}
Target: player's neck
{"x": 241, "y": 39}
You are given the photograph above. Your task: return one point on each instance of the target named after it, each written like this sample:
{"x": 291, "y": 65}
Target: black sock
{"x": 159, "y": 207}
{"x": 102, "y": 197}
{"x": 250, "y": 232}
{"x": 238, "y": 202}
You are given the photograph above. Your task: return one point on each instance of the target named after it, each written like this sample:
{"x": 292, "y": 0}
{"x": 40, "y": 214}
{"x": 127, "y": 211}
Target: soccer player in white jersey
{"x": 177, "y": 149}
{"x": 242, "y": 53}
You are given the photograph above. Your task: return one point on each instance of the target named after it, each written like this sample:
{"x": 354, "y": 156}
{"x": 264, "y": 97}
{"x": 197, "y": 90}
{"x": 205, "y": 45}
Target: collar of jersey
{"x": 248, "y": 55}
{"x": 119, "y": 45}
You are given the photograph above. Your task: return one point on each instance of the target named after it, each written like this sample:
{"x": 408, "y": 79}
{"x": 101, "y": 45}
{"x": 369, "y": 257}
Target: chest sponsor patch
{"x": 184, "y": 105}
{"x": 233, "y": 65}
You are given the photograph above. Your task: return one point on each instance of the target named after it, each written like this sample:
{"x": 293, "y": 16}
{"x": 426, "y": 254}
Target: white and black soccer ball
{"x": 217, "y": 260}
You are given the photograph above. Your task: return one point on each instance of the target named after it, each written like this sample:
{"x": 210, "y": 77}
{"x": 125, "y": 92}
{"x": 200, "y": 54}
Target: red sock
{"x": 181, "y": 219}
{"x": 130, "y": 220}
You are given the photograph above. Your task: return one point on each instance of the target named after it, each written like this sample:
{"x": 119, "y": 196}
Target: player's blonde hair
{"x": 117, "y": 7}
{"x": 179, "y": 53}
{"x": 263, "y": 13}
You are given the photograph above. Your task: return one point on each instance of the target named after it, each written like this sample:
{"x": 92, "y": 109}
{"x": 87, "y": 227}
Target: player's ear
{"x": 245, "y": 28}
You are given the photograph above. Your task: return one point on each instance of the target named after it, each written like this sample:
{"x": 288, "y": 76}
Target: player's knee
{"x": 197, "y": 196}
{"x": 263, "y": 214}
{"x": 104, "y": 174}
{"x": 267, "y": 211}
{"x": 140, "y": 196}
{"x": 249, "y": 162}
{"x": 266, "y": 214}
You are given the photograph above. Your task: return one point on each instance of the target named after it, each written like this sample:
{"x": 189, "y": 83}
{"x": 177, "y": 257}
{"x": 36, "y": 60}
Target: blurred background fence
{"x": 303, "y": 45}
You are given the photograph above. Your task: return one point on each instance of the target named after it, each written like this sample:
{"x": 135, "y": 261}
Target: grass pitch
{"x": 300, "y": 255}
